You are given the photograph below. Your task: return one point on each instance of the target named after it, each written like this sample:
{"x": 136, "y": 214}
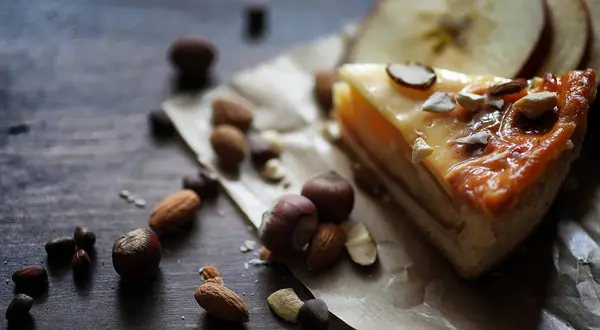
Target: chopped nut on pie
{"x": 421, "y": 150}
{"x": 477, "y": 138}
{"x": 470, "y": 101}
{"x": 439, "y": 102}
{"x": 534, "y": 105}
{"x": 412, "y": 75}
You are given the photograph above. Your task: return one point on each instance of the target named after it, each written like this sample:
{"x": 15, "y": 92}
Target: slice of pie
{"x": 475, "y": 161}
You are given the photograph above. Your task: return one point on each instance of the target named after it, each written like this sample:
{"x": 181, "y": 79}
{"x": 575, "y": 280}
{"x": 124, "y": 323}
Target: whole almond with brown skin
{"x": 232, "y": 113}
{"x": 174, "y": 211}
{"x": 324, "y": 81}
{"x": 326, "y": 246}
{"x": 229, "y": 144}
{"x": 221, "y": 302}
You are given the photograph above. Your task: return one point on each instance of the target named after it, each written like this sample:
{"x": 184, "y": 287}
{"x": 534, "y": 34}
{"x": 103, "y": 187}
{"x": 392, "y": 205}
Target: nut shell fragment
{"x": 360, "y": 244}
{"x": 286, "y": 304}
{"x": 412, "y": 75}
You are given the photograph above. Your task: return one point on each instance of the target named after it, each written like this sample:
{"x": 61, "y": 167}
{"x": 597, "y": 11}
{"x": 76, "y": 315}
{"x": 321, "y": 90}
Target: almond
{"x": 412, "y": 75}
{"x": 217, "y": 280}
{"x": 229, "y": 144}
{"x": 326, "y": 246}
{"x": 209, "y": 272}
{"x": 174, "y": 211}
{"x": 221, "y": 302}
{"x": 232, "y": 113}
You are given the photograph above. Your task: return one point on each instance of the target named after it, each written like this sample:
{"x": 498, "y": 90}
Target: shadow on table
{"x": 26, "y": 323}
{"x": 210, "y": 322}
{"x": 136, "y": 300}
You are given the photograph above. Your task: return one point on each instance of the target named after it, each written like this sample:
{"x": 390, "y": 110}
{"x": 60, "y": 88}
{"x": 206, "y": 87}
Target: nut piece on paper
{"x": 360, "y": 244}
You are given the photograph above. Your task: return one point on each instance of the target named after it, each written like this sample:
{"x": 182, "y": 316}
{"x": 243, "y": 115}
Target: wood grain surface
{"x": 82, "y": 75}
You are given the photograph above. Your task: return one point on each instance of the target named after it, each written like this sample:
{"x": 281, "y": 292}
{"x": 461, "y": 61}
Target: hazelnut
{"x": 84, "y": 238}
{"x": 192, "y": 55}
{"x": 232, "y": 113}
{"x": 289, "y": 225}
{"x": 229, "y": 144}
{"x": 160, "y": 124}
{"x": 136, "y": 254}
{"x": 212, "y": 187}
{"x": 262, "y": 150}
{"x": 332, "y": 195}
{"x": 324, "y": 81}
{"x": 60, "y": 248}
{"x": 366, "y": 180}
{"x": 81, "y": 263}
{"x": 19, "y": 307}
{"x": 314, "y": 315}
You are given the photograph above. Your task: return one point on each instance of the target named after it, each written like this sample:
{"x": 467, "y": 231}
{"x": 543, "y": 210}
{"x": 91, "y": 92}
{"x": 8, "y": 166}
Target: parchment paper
{"x": 551, "y": 282}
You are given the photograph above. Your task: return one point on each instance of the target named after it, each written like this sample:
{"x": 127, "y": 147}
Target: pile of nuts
{"x": 312, "y": 314}
{"x": 33, "y": 280}
{"x": 309, "y": 224}
{"x": 232, "y": 120}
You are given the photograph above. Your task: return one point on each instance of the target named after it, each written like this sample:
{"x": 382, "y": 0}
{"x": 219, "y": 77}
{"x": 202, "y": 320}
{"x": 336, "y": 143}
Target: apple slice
{"x": 593, "y": 60}
{"x": 472, "y": 36}
{"x": 570, "y": 36}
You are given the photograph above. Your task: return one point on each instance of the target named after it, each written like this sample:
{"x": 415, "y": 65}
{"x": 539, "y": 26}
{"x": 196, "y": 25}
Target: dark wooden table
{"x": 82, "y": 75}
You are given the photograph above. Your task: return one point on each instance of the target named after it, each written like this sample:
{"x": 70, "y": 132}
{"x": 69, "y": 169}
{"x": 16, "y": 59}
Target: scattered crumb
{"x": 102, "y": 263}
{"x": 250, "y": 244}
{"x": 252, "y": 294}
{"x": 244, "y": 249}
{"x": 243, "y": 293}
{"x": 257, "y": 262}
{"x": 243, "y": 275}
{"x": 139, "y": 202}
{"x": 245, "y": 265}
{"x": 221, "y": 213}
{"x": 200, "y": 270}
{"x": 178, "y": 261}
{"x": 250, "y": 229}
{"x": 5, "y": 262}
{"x": 256, "y": 281}
{"x": 182, "y": 317}
{"x": 124, "y": 193}
{"x": 130, "y": 199}
{"x": 286, "y": 184}
{"x": 7, "y": 281}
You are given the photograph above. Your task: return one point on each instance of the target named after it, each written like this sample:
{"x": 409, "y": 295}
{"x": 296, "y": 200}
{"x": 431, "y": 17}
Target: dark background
{"x": 82, "y": 75}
